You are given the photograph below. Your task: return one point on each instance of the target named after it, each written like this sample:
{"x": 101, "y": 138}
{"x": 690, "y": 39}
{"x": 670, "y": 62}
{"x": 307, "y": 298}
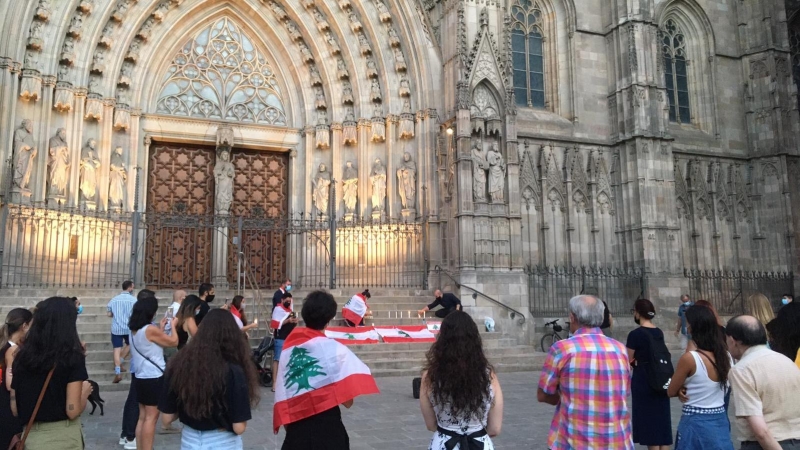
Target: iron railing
{"x": 728, "y": 290}
{"x": 475, "y": 293}
{"x": 550, "y": 288}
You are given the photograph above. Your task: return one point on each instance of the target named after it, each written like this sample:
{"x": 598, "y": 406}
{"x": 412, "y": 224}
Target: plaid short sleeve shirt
{"x": 591, "y": 374}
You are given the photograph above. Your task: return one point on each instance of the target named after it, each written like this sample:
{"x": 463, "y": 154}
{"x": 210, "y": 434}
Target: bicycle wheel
{"x": 547, "y": 341}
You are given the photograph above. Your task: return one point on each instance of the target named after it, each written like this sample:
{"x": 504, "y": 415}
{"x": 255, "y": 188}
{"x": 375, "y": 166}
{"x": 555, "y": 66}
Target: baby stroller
{"x": 262, "y": 357}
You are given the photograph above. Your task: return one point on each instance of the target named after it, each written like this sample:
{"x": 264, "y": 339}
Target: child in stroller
{"x": 262, "y": 357}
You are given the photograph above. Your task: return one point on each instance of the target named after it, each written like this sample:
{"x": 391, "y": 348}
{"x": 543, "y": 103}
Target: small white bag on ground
{"x": 489, "y": 323}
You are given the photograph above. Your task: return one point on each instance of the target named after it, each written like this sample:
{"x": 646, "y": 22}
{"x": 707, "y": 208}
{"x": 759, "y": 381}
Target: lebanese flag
{"x": 279, "y": 315}
{"x": 412, "y": 333}
{"x": 434, "y": 327}
{"x": 355, "y": 308}
{"x": 315, "y": 374}
{"x": 353, "y": 336}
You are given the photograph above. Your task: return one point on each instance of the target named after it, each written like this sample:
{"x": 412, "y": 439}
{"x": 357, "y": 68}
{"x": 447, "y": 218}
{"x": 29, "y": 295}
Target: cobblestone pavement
{"x": 389, "y": 421}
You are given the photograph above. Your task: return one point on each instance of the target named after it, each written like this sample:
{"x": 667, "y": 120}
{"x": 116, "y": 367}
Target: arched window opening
{"x": 527, "y": 52}
{"x": 794, "y": 45}
{"x": 676, "y": 73}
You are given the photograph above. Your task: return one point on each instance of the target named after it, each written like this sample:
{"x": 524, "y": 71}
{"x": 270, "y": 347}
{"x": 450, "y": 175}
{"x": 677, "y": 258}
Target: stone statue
{"x": 375, "y": 91}
{"x": 372, "y": 68}
{"x": 43, "y": 10}
{"x": 59, "y": 163}
{"x": 341, "y": 69}
{"x": 479, "y": 167}
{"x": 378, "y": 180}
{"x": 399, "y": 60}
{"x": 335, "y": 49}
{"x": 347, "y": 93}
{"x": 321, "y": 185}
{"x": 407, "y": 181}
{"x": 405, "y": 87}
{"x": 320, "y": 102}
{"x": 223, "y": 175}
{"x": 313, "y": 73}
{"x": 497, "y": 174}
{"x": 24, "y": 153}
{"x": 99, "y": 61}
{"x": 90, "y": 164}
{"x": 350, "y": 187}
{"x": 117, "y": 177}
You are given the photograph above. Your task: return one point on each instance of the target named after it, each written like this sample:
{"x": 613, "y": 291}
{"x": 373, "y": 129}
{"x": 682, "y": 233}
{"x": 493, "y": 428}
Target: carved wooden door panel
{"x": 261, "y": 197}
{"x": 179, "y": 218}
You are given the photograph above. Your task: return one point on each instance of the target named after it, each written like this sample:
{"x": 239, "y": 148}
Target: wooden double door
{"x": 180, "y": 223}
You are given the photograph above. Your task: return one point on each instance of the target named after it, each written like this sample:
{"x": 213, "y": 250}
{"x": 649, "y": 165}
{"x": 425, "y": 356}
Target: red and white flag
{"x": 414, "y": 333}
{"x": 315, "y": 374}
{"x": 353, "y": 336}
{"x": 434, "y": 327}
{"x": 279, "y": 314}
{"x": 355, "y": 308}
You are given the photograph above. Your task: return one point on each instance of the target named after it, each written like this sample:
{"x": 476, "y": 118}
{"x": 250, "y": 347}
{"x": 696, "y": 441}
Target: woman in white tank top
{"x": 703, "y": 374}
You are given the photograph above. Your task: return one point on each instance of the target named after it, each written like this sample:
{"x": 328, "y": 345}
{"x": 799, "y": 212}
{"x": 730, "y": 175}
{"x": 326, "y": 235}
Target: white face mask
{"x": 687, "y": 303}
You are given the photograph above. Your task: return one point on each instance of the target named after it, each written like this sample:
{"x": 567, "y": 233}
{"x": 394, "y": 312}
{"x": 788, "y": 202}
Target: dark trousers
{"x": 130, "y": 413}
{"x": 789, "y": 444}
{"x": 444, "y": 312}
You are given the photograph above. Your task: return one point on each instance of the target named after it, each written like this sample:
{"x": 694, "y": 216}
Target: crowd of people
{"x": 194, "y": 365}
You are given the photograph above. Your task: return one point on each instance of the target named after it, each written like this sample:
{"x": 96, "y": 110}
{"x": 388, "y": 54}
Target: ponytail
{"x": 15, "y": 320}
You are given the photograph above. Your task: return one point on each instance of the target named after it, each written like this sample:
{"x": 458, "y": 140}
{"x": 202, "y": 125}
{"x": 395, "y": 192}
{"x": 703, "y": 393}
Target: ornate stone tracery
{"x": 221, "y": 74}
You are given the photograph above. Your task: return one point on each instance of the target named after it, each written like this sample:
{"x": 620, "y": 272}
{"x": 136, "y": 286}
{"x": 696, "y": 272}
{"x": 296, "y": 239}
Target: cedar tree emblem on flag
{"x": 300, "y": 369}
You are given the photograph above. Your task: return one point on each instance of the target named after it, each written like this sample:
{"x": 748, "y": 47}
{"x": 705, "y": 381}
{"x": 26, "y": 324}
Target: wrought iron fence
{"x": 53, "y": 248}
{"x": 550, "y": 288}
{"x": 728, "y": 290}
{"x": 64, "y": 248}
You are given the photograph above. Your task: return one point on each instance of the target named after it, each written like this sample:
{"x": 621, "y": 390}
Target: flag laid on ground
{"x": 315, "y": 374}
{"x": 279, "y": 315}
{"x": 355, "y": 308}
{"x": 353, "y": 336}
{"x": 434, "y": 327}
{"x": 413, "y": 333}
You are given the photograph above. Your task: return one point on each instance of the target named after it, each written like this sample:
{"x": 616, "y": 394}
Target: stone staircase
{"x": 389, "y": 307}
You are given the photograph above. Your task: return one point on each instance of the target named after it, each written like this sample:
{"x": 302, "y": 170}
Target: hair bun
{"x": 651, "y": 314}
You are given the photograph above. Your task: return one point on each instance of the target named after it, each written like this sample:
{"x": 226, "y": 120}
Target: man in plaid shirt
{"x": 587, "y": 379}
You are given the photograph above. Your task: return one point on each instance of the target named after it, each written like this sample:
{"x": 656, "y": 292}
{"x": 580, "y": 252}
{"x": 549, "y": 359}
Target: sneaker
{"x": 117, "y": 378}
{"x": 123, "y": 441}
{"x": 130, "y": 445}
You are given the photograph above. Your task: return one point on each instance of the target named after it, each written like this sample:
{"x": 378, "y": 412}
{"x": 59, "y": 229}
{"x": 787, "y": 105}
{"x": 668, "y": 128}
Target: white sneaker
{"x": 122, "y": 441}
{"x": 130, "y": 445}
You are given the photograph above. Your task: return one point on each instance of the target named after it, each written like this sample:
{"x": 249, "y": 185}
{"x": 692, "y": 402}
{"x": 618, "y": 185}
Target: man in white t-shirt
{"x": 177, "y": 299}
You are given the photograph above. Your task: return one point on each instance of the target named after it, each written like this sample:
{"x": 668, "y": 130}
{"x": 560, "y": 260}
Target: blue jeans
{"x": 192, "y": 439}
{"x": 277, "y": 349}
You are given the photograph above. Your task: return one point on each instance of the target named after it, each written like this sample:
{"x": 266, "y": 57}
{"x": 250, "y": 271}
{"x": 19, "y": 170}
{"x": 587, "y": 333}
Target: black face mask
{"x": 636, "y": 319}
{"x": 287, "y": 304}
{"x": 210, "y": 298}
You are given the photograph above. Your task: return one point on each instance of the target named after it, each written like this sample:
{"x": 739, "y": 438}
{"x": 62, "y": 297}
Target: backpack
{"x": 658, "y": 369}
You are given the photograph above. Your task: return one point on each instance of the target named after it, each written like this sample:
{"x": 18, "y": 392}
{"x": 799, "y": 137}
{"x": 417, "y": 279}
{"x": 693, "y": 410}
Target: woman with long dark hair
{"x": 186, "y": 324}
{"x": 12, "y": 333}
{"x": 652, "y": 423}
{"x": 785, "y": 332}
{"x": 52, "y": 344}
{"x": 211, "y": 385}
{"x": 147, "y": 355}
{"x": 460, "y": 395}
{"x": 237, "y": 309}
{"x": 703, "y": 376}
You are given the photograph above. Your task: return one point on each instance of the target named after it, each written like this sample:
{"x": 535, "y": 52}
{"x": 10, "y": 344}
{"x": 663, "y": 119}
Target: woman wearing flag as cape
{"x": 315, "y": 375}
{"x": 356, "y": 308}
{"x": 283, "y": 322}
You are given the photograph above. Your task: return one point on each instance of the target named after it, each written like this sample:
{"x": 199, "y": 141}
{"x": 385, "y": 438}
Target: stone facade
{"x": 657, "y": 135}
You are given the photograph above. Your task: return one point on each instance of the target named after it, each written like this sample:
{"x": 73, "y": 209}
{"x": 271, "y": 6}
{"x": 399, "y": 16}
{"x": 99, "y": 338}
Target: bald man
{"x": 766, "y": 389}
{"x": 449, "y": 303}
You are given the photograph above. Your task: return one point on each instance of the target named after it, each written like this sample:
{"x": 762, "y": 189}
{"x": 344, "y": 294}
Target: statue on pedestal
{"x": 117, "y": 177}
{"x": 90, "y": 164}
{"x": 378, "y": 180}
{"x": 407, "y": 181}
{"x": 223, "y": 175}
{"x": 59, "y": 164}
{"x": 24, "y": 153}
{"x": 479, "y": 167}
{"x": 321, "y": 185}
{"x": 497, "y": 174}
{"x": 350, "y": 187}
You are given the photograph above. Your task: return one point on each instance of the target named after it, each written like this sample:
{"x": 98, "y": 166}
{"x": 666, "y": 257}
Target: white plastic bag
{"x": 489, "y": 323}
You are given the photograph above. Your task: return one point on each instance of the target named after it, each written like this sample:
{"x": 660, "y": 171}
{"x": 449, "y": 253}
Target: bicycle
{"x": 550, "y": 337}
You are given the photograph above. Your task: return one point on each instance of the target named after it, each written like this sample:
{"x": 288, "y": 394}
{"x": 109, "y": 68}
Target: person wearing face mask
{"x": 283, "y": 322}
{"x": 787, "y": 298}
{"x": 680, "y": 330}
{"x": 449, "y": 303}
{"x": 277, "y": 297}
{"x": 652, "y": 422}
{"x": 207, "y": 296}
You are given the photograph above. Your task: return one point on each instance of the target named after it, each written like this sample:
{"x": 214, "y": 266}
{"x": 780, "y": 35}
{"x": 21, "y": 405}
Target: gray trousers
{"x": 789, "y": 444}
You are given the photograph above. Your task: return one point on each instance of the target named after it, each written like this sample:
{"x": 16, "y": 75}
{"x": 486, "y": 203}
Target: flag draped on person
{"x": 315, "y": 374}
{"x": 279, "y": 315}
{"x": 355, "y": 308}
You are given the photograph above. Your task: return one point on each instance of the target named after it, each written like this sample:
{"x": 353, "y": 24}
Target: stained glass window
{"x": 676, "y": 73}
{"x": 219, "y": 74}
{"x": 527, "y": 53}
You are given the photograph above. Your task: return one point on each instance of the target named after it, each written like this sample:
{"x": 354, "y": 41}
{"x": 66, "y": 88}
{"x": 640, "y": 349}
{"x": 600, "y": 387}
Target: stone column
{"x": 336, "y": 164}
{"x": 140, "y": 191}
{"x": 392, "y": 197}
{"x": 364, "y": 168}
{"x": 104, "y": 144}
{"x": 41, "y": 121}
{"x": 463, "y": 194}
{"x": 76, "y": 141}
{"x": 310, "y": 133}
{"x": 9, "y": 82}
{"x": 132, "y": 153}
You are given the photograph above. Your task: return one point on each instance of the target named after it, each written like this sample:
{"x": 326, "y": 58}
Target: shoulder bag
{"x": 18, "y": 441}
{"x": 143, "y": 355}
